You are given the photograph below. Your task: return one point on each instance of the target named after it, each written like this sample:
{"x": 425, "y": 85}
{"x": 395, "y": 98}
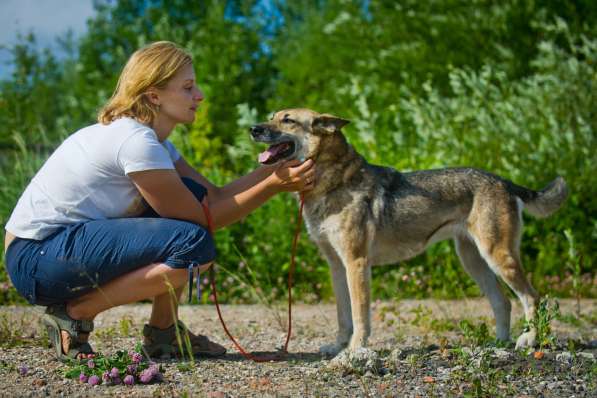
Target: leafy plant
{"x": 575, "y": 264}
{"x": 547, "y": 310}
{"x": 475, "y": 334}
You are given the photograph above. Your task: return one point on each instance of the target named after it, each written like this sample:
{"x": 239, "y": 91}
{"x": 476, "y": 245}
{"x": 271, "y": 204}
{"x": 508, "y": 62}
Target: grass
{"x": 475, "y": 334}
{"x": 16, "y": 331}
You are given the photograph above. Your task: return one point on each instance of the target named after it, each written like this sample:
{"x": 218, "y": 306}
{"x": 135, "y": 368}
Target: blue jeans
{"x": 83, "y": 256}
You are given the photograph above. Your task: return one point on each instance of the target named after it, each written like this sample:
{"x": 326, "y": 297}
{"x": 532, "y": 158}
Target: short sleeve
{"x": 142, "y": 151}
{"x": 174, "y": 155}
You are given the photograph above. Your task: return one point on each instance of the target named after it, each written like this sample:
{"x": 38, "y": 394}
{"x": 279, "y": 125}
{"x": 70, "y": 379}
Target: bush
{"x": 434, "y": 88}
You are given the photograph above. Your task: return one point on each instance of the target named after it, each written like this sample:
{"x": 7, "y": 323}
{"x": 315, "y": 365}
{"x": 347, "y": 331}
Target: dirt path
{"x": 422, "y": 351}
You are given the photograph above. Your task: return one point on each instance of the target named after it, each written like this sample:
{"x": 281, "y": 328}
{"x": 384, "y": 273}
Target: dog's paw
{"x": 526, "y": 340}
{"x": 361, "y": 361}
{"x": 331, "y": 350}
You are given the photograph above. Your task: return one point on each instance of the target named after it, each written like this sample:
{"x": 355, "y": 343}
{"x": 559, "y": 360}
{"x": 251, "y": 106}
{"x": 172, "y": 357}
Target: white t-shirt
{"x": 86, "y": 178}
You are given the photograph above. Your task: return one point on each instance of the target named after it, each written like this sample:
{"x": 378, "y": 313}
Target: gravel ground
{"x": 419, "y": 351}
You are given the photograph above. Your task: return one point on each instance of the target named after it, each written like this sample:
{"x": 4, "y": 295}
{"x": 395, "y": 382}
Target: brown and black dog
{"x": 361, "y": 215}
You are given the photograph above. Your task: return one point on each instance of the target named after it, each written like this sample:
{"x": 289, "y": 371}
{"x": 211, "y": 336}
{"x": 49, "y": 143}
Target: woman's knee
{"x": 194, "y": 245}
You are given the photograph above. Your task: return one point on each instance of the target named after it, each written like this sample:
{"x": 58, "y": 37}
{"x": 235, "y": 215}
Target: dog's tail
{"x": 545, "y": 202}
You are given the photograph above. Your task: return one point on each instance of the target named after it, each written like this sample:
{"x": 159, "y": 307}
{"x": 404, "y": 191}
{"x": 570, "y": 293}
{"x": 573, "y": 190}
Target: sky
{"x": 46, "y": 18}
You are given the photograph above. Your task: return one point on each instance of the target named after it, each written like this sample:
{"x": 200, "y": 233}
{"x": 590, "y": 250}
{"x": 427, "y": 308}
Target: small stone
{"x": 396, "y": 355}
{"x": 553, "y": 385}
{"x": 39, "y": 382}
{"x": 468, "y": 351}
{"x": 587, "y": 355}
{"x": 564, "y": 357}
{"x": 501, "y": 353}
{"x": 360, "y": 361}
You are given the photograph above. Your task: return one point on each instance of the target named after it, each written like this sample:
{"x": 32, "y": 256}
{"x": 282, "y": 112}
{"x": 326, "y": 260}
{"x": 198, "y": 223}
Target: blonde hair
{"x": 151, "y": 66}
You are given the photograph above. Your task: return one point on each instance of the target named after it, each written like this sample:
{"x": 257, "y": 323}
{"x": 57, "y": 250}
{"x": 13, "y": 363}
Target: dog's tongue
{"x": 272, "y": 151}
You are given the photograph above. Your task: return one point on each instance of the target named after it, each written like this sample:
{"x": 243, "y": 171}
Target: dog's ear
{"x": 328, "y": 123}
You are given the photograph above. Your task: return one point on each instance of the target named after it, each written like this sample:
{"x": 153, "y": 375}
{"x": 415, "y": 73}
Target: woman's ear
{"x": 152, "y": 95}
{"x": 328, "y": 123}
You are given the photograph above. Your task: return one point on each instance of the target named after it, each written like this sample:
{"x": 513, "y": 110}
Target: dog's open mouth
{"x": 276, "y": 152}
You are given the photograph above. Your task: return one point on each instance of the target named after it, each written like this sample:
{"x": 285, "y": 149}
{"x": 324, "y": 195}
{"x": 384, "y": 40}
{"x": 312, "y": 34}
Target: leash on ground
{"x": 283, "y": 351}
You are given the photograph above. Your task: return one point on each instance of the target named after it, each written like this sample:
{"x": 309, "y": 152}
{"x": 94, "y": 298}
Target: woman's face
{"x": 180, "y": 98}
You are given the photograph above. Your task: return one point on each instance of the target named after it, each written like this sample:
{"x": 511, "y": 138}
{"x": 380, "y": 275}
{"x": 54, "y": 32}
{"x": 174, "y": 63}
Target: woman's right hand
{"x": 293, "y": 176}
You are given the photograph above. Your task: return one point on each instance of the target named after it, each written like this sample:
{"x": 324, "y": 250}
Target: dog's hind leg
{"x": 495, "y": 227}
{"x": 342, "y": 301}
{"x": 478, "y": 269}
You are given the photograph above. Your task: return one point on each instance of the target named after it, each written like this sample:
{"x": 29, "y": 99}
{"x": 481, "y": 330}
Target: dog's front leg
{"x": 358, "y": 275}
{"x": 343, "y": 310}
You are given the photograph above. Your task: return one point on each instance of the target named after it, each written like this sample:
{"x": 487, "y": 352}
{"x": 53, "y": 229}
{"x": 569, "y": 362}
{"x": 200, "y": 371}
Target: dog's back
{"x": 418, "y": 208}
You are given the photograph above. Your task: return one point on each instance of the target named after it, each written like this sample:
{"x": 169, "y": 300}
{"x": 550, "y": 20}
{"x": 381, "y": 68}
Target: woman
{"x": 82, "y": 239}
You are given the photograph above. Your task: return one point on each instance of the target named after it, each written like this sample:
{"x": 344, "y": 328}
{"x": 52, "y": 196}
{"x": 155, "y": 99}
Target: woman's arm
{"x": 287, "y": 177}
{"x": 216, "y": 193}
{"x": 170, "y": 198}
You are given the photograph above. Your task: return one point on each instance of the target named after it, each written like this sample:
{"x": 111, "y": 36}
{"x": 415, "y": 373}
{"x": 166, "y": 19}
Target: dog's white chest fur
{"x": 319, "y": 230}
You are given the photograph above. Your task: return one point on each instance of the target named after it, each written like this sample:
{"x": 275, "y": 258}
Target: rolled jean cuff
{"x": 198, "y": 250}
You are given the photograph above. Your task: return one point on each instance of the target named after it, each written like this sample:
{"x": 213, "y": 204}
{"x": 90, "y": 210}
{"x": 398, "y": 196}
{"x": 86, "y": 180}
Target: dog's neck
{"x": 336, "y": 163}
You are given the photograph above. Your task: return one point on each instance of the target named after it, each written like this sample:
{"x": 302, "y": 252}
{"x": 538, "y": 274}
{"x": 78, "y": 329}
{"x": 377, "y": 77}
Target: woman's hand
{"x": 293, "y": 176}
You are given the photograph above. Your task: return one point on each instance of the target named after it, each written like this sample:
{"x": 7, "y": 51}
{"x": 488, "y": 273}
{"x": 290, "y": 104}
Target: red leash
{"x": 212, "y": 278}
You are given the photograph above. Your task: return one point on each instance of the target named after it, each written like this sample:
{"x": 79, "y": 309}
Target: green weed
{"x": 574, "y": 263}
{"x": 570, "y": 319}
{"x": 182, "y": 339}
{"x": 547, "y": 310}
{"x": 106, "y": 333}
{"x": 475, "y": 334}
{"x": 125, "y": 325}
{"x": 424, "y": 319}
{"x": 18, "y": 331}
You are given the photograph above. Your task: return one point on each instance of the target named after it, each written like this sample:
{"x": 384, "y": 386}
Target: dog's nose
{"x": 256, "y": 130}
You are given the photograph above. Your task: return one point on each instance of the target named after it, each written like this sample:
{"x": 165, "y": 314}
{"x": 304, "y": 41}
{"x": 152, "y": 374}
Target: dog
{"x": 360, "y": 215}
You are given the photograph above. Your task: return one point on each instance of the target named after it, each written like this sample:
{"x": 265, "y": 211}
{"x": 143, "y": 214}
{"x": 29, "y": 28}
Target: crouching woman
{"x": 115, "y": 214}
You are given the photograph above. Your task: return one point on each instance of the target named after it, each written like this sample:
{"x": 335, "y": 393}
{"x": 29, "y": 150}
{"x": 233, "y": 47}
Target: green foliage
{"x": 425, "y": 320}
{"x": 475, "y": 334}
{"x": 505, "y": 86}
{"x": 10, "y": 335}
{"x": 547, "y": 310}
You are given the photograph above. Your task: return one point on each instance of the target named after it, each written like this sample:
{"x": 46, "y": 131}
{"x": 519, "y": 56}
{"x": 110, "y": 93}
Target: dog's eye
{"x": 287, "y": 120}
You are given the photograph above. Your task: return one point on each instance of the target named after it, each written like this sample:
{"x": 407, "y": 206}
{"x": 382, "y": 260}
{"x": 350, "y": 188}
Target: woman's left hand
{"x": 294, "y": 176}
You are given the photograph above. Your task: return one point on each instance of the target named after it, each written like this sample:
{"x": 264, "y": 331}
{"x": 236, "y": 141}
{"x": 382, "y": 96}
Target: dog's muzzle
{"x": 281, "y": 146}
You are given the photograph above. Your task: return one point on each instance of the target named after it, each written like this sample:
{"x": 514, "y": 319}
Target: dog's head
{"x": 294, "y": 134}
